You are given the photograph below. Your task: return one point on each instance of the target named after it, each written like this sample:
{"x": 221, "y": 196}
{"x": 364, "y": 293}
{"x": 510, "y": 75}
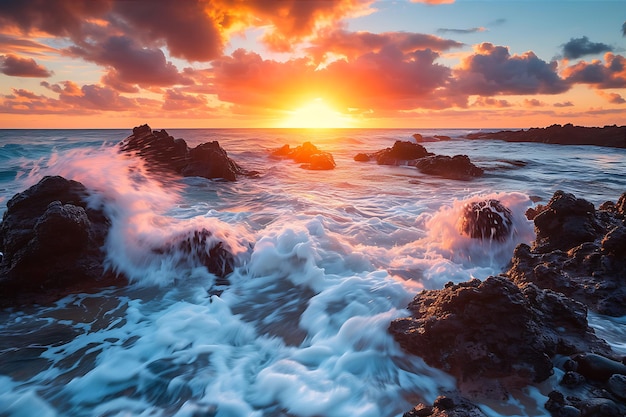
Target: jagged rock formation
{"x": 163, "y": 152}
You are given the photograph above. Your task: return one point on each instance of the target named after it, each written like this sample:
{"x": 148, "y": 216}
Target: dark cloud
{"x": 22, "y": 67}
{"x": 58, "y": 17}
{"x": 490, "y": 102}
{"x": 612, "y": 98}
{"x": 624, "y": 29}
{"x": 130, "y": 64}
{"x": 20, "y": 45}
{"x": 491, "y": 70}
{"x": 461, "y": 31}
{"x": 564, "y": 104}
{"x": 611, "y": 74}
{"x": 578, "y": 47}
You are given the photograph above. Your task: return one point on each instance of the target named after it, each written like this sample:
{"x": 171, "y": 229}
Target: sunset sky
{"x": 307, "y": 63}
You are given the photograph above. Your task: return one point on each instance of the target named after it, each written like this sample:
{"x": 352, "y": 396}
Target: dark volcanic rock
{"x": 400, "y": 153}
{"x": 494, "y": 336}
{"x": 163, "y": 152}
{"x": 51, "y": 241}
{"x": 308, "y": 155}
{"x": 486, "y": 219}
{"x": 579, "y": 251}
{"x": 449, "y": 405}
{"x": 611, "y": 136}
{"x": 457, "y": 167}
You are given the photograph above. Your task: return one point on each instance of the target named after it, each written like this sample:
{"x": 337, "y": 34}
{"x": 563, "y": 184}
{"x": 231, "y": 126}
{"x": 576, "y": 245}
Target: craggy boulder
{"x": 162, "y": 152}
{"x": 400, "y": 153}
{"x": 52, "y": 242}
{"x": 308, "y": 155}
{"x": 579, "y": 251}
{"x": 494, "y": 336}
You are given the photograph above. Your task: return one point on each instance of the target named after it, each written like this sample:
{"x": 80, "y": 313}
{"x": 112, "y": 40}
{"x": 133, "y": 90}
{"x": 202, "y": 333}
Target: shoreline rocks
{"x": 513, "y": 329}
{"x": 163, "y": 152}
{"x": 568, "y": 134}
{"x": 458, "y": 167}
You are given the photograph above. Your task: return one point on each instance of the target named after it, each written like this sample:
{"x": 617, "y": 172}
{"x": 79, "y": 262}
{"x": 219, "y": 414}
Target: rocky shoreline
{"x": 513, "y": 330}
{"x": 568, "y": 134}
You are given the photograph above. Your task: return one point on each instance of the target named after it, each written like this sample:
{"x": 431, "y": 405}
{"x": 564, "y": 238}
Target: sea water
{"x": 325, "y": 260}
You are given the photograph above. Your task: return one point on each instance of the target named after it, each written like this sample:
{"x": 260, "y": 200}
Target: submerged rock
{"x": 52, "y": 244}
{"x": 308, "y": 155}
{"x": 163, "y": 152}
{"x": 486, "y": 219}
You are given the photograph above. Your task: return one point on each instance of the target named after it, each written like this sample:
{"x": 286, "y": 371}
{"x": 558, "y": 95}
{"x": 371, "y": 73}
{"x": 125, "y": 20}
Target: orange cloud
{"x": 611, "y": 74}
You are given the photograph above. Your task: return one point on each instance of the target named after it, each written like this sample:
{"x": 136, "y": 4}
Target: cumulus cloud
{"x": 564, "y": 104}
{"x": 578, "y": 47}
{"x": 533, "y": 102}
{"x": 16, "y": 66}
{"x": 610, "y": 74}
{"x": 490, "y": 102}
{"x": 492, "y": 70}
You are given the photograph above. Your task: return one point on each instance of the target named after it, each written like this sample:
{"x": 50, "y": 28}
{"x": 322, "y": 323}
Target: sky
{"x": 308, "y": 63}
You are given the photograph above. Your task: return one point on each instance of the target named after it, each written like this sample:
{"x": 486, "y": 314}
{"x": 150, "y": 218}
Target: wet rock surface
{"x": 457, "y": 167}
{"x": 52, "y": 242}
{"x": 486, "y": 219}
{"x": 611, "y": 136}
{"x": 163, "y": 152}
{"x": 308, "y": 155}
{"x": 514, "y": 329}
{"x": 579, "y": 251}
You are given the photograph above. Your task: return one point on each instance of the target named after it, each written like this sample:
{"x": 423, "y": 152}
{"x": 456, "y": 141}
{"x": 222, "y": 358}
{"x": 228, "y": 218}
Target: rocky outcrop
{"x": 308, "y": 155}
{"x": 163, "y": 152}
{"x": 449, "y": 405}
{"x": 51, "y": 241}
{"x": 409, "y": 153}
{"x": 486, "y": 219}
{"x": 579, "y": 251}
{"x": 611, "y": 136}
{"x": 419, "y": 138}
{"x": 494, "y": 336}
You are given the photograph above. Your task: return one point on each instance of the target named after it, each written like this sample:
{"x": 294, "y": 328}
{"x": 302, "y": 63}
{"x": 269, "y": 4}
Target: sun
{"x": 317, "y": 114}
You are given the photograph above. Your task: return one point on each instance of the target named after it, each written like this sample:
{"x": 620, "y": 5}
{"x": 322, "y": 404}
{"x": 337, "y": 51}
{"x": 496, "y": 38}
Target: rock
{"x": 51, "y": 240}
{"x": 400, "y": 153}
{"x": 308, "y": 155}
{"x": 449, "y": 405}
{"x": 362, "y": 157}
{"x": 457, "y": 167}
{"x": 163, "y": 152}
{"x": 493, "y": 336}
{"x": 486, "y": 219}
{"x": 611, "y": 136}
{"x": 617, "y": 385}
{"x": 435, "y": 138}
{"x": 578, "y": 251}
{"x": 598, "y": 368}
{"x": 600, "y": 407}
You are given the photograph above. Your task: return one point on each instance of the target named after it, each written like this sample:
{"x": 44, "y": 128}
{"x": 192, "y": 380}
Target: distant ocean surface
{"x": 325, "y": 261}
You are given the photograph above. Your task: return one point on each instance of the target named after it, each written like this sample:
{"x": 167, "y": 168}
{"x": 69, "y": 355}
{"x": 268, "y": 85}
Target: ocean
{"x": 325, "y": 261}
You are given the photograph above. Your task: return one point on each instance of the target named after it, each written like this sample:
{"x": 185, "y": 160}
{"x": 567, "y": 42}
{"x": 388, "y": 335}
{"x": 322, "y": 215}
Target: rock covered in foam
{"x": 486, "y": 219}
{"x": 51, "y": 240}
{"x": 163, "y": 152}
